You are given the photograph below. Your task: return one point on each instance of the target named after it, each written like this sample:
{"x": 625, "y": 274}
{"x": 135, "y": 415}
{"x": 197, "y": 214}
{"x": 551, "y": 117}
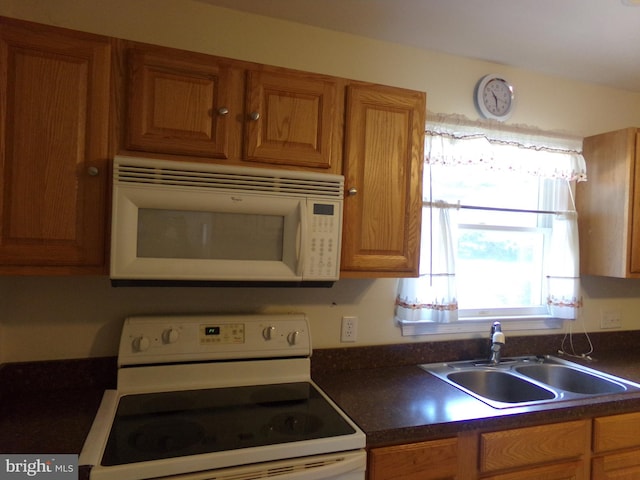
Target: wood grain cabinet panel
{"x": 384, "y": 147}
{"x": 178, "y": 102}
{"x": 563, "y": 471}
{"x": 615, "y": 444}
{"x": 616, "y": 432}
{"x": 436, "y": 459}
{"x": 617, "y": 466}
{"x": 189, "y": 104}
{"x": 533, "y": 445}
{"x": 607, "y": 204}
{"x": 293, "y": 118}
{"x": 54, "y": 124}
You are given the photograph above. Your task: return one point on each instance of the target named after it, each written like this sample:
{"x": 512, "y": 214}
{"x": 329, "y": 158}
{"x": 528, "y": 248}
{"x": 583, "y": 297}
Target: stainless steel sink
{"x": 571, "y": 379}
{"x": 500, "y": 386}
{"x": 528, "y": 380}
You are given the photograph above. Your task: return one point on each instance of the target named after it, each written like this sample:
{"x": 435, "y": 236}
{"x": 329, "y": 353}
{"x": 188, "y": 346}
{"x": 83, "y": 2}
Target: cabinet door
{"x": 634, "y": 267}
{"x": 608, "y": 221}
{"x": 529, "y": 446}
{"x": 437, "y": 459}
{"x": 384, "y": 147}
{"x": 618, "y": 466}
{"x": 293, "y": 118}
{"x": 564, "y": 471}
{"x": 178, "y": 102}
{"x": 54, "y": 147}
{"x": 616, "y": 432}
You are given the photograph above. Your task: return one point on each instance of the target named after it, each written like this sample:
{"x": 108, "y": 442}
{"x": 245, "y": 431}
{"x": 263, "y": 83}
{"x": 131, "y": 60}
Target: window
{"x": 499, "y": 236}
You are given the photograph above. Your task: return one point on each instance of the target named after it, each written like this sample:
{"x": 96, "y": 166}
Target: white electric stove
{"x": 224, "y": 397}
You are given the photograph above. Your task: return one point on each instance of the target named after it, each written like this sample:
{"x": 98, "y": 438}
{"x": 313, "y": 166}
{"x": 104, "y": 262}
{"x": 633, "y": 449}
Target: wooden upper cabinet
{"x": 54, "y": 123}
{"x": 293, "y": 118}
{"x": 608, "y": 205}
{"x": 178, "y": 102}
{"x": 384, "y": 147}
{"x": 190, "y": 105}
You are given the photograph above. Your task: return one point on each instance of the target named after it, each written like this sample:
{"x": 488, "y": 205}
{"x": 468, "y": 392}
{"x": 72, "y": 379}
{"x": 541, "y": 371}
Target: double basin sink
{"x": 528, "y": 380}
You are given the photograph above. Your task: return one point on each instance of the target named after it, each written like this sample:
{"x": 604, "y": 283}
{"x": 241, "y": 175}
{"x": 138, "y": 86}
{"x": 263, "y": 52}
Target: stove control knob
{"x": 292, "y": 338}
{"x": 141, "y": 343}
{"x": 267, "y": 333}
{"x": 170, "y": 335}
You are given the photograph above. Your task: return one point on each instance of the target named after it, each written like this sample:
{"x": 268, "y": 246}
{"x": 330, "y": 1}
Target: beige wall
{"x": 50, "y": 318}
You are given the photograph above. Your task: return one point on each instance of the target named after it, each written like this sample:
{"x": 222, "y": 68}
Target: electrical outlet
{"x": 610, "y": 320}
{"x": 349, "y": 331}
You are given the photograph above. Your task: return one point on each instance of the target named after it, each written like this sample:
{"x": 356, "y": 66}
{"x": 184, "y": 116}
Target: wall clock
{"x": 494, "y": 97}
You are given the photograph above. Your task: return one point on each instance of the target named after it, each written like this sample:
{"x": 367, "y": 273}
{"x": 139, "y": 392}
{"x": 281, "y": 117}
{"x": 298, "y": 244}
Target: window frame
{"x": 472, "y": 321}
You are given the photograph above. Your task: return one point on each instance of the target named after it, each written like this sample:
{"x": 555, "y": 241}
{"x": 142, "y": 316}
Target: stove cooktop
{"x": 163, "y": 425}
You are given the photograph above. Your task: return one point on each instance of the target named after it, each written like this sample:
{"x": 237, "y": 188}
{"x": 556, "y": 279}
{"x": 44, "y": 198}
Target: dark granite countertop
{"x": 406, "y": 404}
{"x": 403, "y": 403}
{"x": 48, "y": 407}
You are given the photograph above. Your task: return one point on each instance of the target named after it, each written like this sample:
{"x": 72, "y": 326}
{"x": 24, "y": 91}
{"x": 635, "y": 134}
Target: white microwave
{"x": 199, "y": 223}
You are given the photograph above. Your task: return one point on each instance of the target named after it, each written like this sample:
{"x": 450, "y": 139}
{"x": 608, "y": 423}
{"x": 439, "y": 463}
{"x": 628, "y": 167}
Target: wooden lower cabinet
{"x": 433, "y": 460}
{"x": 616, "y": 446}
{"x": 563, "y": 471}
{"x": 618, "y": 466}
{"x": 535, "y": 446}
{"x": 558, "y": 451}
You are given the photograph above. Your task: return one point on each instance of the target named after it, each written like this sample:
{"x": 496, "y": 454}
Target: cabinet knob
{"x": 93, "y": 171}
{"x": 352, "y": 191}
{"x": 254, "y": 116}
{"x": 222, "y": 111}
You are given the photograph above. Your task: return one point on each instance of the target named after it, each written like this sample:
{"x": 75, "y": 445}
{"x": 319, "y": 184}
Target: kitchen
{"x": 80, "y": 317}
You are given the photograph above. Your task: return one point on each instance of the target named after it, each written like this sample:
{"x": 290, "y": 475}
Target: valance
{"x": 455, "y": 140}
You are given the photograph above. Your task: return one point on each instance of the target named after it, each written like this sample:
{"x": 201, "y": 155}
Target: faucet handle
{"x": 498, "y": 337}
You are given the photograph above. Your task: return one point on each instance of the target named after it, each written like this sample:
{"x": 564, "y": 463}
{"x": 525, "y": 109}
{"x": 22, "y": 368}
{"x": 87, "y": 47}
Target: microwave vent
{"x": 132, "y": 170}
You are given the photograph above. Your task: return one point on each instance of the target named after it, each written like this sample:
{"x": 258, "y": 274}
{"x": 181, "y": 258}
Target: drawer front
{"x": 564, "y": 471}
{"x": 616, "y": 432}
{"x": 618, "y": 466}
{"x": 416, "y": 461}
{"x": 533, "y": 445}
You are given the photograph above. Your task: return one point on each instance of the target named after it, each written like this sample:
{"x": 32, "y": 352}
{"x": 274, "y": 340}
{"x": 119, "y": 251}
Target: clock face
{"x": 495, "y": 97}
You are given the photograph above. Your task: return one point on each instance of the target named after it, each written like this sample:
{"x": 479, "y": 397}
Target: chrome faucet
{"x": 497, "y": 342}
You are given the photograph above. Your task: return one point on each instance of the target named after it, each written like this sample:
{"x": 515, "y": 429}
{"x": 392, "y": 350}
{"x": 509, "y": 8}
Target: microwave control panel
{"x": 325, "y": 231}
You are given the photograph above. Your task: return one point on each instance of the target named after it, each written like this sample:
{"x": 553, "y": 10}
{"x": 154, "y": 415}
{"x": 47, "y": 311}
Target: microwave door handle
{"x": 301, "y": 237}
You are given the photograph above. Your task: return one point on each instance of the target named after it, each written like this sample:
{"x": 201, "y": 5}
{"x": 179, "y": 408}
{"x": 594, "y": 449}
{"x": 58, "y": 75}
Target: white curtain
{"x": 563, "y": 268}
{"x": 432, "y": 296}
{"x": 454, "y": 140}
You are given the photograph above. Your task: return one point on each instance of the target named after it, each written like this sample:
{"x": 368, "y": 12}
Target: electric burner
{"x": 166, "y": 437}
{"x": 295, "y": 423}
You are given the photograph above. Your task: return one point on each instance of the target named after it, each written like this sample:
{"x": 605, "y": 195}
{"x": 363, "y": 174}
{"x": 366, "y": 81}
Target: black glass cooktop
{"x": 171, "y": 424}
